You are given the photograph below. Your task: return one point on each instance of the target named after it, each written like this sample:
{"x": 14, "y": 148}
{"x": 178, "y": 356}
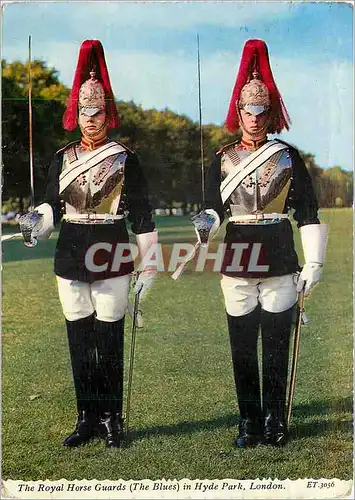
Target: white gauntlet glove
{"x": 147, "y": 277}
{"x": 314, "y": 242}
{"x": 311, "y": 274}
{"x": 48, "y": 221}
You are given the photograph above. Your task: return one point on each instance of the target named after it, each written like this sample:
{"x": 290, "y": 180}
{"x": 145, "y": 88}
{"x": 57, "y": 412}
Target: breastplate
{"x": 98, "y": 190}
{"x": 264, "y": 190}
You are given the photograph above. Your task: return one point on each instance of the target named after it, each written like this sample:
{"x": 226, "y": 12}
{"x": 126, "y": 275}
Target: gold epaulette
{"x": 223, "y": 148}
{"x": 67, "y": 146}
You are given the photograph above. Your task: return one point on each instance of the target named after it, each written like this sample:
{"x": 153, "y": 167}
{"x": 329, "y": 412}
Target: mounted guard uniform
{"x": 259, "y": 206}
{"x": 94, "y": 202}
{"x": 259, "y": 183}
{"x": 93, "y": 185}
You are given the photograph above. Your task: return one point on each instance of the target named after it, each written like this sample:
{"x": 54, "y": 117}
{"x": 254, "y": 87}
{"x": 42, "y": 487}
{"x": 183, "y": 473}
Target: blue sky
{"x": 151, "y": 54}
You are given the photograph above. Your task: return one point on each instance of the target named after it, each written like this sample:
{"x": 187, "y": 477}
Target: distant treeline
{"x": 168, "y": 144}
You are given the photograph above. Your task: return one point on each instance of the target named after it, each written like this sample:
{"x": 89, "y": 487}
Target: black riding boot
{"x": 81, "y": 339}
{"x": 110, "y": 338}
{"x": 243, "y": 335}
{"x": 276, "y": 330}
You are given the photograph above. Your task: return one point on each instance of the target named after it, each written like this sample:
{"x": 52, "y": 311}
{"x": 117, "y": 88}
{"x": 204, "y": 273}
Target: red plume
{"x": 91, "y": 55}
{"x": 256, "y": 57}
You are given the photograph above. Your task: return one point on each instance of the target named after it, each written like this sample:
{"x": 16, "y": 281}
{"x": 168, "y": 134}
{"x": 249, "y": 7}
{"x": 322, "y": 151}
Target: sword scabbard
{"x": 132, "y": 353}
{"x": 295, "y": 354}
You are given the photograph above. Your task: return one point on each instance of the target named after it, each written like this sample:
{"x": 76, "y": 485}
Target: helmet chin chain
{"x": 92, "y": 135}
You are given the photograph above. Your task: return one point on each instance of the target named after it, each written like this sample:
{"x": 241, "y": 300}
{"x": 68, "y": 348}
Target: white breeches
{"x": 108, "y": 298}
{"x": 242, "y": 295}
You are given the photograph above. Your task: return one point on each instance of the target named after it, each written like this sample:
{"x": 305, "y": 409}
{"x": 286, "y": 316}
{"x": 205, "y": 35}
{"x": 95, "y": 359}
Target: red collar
{"x": 251, "y": 145}
{"x": 87, "y": 143}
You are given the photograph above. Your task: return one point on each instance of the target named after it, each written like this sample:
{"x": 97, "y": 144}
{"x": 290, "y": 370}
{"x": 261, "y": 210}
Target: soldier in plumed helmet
{"x": 93, "y": 185}
{"x": 258, "y": 182}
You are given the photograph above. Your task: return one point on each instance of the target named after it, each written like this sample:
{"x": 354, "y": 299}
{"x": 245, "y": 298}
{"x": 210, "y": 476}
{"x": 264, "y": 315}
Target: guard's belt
{"x": 92, "y": 218}
{"x": 257, "y": 218}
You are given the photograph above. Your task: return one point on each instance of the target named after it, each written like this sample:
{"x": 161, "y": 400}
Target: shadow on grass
{"x": 317, "y": 410}
{"x": 322, "y": 424}
{"x": 184, "y": 427}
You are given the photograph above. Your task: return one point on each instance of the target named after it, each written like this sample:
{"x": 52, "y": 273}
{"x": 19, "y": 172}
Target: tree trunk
{"x": 21, "y": 205}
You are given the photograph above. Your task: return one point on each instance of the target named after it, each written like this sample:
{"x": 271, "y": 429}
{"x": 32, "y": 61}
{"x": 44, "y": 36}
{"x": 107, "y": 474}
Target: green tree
{"x": 333, "y": 186}
{"x": 48, "y": 98}
{"x": 340, "y": 186}
{"x": 167, "y": 143}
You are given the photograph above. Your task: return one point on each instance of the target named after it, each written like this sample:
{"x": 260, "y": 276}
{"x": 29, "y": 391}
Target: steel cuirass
{"x": 98, "y": 189}
{"x": 265, "y": 189}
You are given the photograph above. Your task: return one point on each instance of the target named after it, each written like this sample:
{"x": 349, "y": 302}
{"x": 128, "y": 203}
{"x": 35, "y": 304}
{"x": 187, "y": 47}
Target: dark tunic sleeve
{"x": 301, "y": 196}
{"x": 136, "y": 197}
{"x": 51, "y": 195}
{"x": 213, "y": 187}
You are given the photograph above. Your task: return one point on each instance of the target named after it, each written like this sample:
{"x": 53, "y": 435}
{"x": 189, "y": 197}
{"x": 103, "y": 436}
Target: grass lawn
{"x": 184, "y": 410}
